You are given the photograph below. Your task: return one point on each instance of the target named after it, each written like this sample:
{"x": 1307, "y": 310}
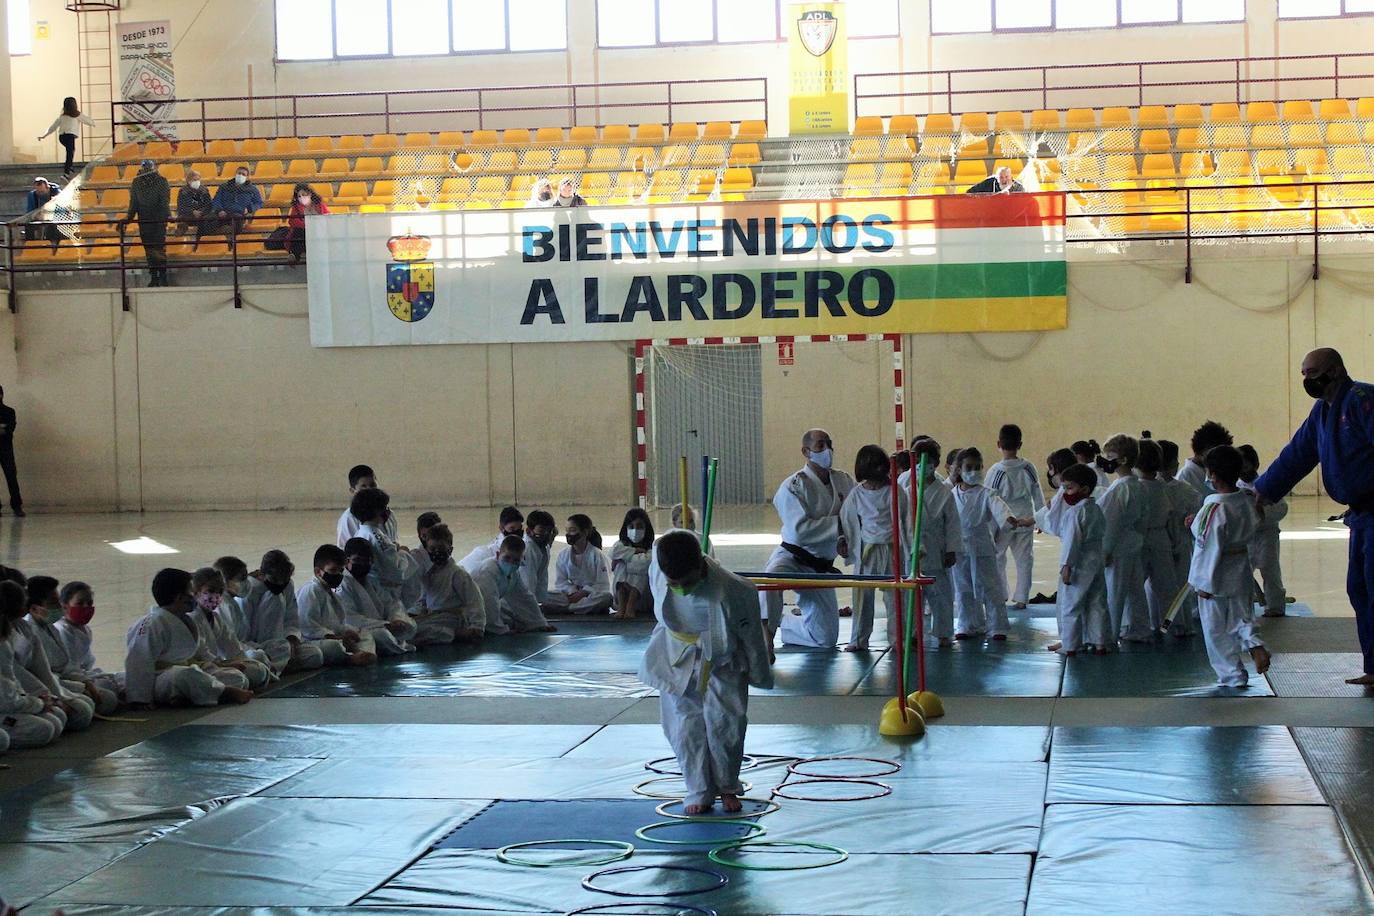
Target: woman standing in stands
{"x": 68, "y": 125}
{"x": 304, "y": 202}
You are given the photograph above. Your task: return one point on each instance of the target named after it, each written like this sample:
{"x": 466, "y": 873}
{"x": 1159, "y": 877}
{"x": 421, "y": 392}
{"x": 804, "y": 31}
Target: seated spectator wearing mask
{"x": 194, "y": 206}
{"x": 568, "y": 196}
{"x": 541, "y": 195}
{"x": 235, "y": 203}
{"x": 1001, "y": 183}
{"x": 305, "y": 202}
{"x": 43, "y": 192}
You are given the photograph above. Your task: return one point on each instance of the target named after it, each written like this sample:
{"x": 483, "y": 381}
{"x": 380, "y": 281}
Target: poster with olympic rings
{"x": 147, "y": 81}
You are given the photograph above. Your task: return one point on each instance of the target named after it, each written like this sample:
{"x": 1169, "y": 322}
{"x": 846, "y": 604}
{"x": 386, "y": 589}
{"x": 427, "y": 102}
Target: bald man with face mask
{"x": 1338, "y": 435}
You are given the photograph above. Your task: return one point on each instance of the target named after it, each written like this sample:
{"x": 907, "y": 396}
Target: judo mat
{"x": 1317, "y": 674}
{"x": 503, "y": 823}
{"x": 1342, "y": 761}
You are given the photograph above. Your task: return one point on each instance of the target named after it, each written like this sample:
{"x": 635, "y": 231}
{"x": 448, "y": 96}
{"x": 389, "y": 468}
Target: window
{"x": 643, "y": 23}
{"x": 21, "y": 31}
{"x": 1312, "y": 9}
{"x": 324, "y": 29}
{"x": 948, "y": 17}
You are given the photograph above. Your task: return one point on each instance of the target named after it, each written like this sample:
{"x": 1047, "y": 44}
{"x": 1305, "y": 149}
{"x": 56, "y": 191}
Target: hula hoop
{"x": 892, "y": 767}
{"x": 622, "y": 849}
{"x": 640, "y": 789}
{"x": 740, "y": 815}
{"x": 718, "y": 855}
{"x": 885, "y": 789}
{"x": 720, "y": 880}
{"x": 677, "y": 907}
{"x": 747, "y": 763}
{"x": 643, "y": 832}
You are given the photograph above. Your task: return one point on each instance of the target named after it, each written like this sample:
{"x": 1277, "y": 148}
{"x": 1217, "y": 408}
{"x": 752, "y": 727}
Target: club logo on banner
{"x": 409, "y": 279}
{"x": 818, "y": 83}
{"x": 817, "y": 29}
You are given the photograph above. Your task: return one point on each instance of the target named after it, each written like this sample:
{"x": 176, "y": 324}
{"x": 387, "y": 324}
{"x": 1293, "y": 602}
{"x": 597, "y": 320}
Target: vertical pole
{"x": 386, "y": 109}
{"x": 234, "y": 255}
{"x": 1044, "y": 87}
{"x": 900, "y": 626}
{"x": 1316, "y": 232}
{"x": 670, "y": 104}
{"x": 1140, "y": 84}
{"x": 123, "y": 272}
{"x": 705, "y": 481}
{"x": 479, "y": 109}
{"x": 918, "y": 486}
{"x": 1188, "y": 234}
{"x": 686, "y": 492}
{"x": 1336, "y": 72}
{"x": 14, "y": 274}
{"x": 708, "y": 512}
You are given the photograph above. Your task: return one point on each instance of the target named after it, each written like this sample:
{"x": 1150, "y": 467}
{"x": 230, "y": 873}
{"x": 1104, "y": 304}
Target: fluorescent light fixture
{"x": 142, "y": 545}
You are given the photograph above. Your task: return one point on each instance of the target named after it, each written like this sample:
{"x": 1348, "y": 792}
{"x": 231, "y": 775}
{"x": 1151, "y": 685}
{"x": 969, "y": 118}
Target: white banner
{"x": 739, "y": 269}
{"x": 147, "y": 80}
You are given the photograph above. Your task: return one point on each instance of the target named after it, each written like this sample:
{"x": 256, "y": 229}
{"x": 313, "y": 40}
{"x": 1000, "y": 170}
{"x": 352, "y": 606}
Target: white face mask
{"x": 822, "y": 458}
{"x": 635, "y": 534}
{"x": 972, "y": 477}
{"x": 240, "y": 179}
{"x": 195, "y": 185}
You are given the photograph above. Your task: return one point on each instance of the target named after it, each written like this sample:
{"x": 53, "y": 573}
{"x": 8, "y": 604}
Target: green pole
{"x": 918, "y": 513}
{"x": 708, "y": 512}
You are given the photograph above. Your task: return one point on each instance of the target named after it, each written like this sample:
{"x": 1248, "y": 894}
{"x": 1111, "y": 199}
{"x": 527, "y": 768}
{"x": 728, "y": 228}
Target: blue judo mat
{"x": 505, "y": 822}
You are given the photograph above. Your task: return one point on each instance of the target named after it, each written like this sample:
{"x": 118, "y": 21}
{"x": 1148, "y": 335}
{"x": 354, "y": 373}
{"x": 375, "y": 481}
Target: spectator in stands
{"x": 194, "y": 206}
{"x": 7, "y": 455}
{"x": 68, "y": 125}
{"x": 150, "y": 202}
{"x": 1001, "y": 183}
{"x": 304, "y": 202}
{"x": 541, "y": 195}
{"x": 568, "y": 196}
{"x": 43, "y": 192}
{"x": 235, "y": 202}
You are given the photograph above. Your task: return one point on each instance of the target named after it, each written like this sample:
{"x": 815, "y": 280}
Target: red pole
{"x": 897, "y": 577}
{"x": 920, "y": 592}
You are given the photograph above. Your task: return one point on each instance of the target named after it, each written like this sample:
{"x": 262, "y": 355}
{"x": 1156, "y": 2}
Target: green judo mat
{"x": 1165, "y": 667}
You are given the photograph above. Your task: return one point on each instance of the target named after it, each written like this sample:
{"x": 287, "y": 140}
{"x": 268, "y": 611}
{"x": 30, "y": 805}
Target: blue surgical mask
{"x": 507, "y": 568}
{"x": 822, "y": 458}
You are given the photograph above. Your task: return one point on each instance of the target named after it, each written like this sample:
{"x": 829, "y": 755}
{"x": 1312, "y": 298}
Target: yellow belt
{"x": 164, "y": 666}
{"x": 692, "y": 639}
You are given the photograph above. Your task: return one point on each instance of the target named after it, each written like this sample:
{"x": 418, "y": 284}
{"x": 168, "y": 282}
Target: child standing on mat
{"x": 984, "y": 515}
{"x": 942, "y": 541}
{"x": 866, "y": 529}
{"x": 1081, "y": 601}
{"x": 709, "y": 645}
{"x": 1264, "y": 548}
{"x": 1014, "y": 479}
{"x": 1221, "y": 573}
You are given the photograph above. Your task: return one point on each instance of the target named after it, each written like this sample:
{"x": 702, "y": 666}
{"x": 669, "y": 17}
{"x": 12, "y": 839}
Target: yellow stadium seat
{"x": 1229, "y": 136}
{"x": 279, "y": 195}
{"x": 455, "y": 188}
{"x": 449, "y": 138}
{"x": 501, "y": 160}
{"x": 1010, "y": 120}
{"x": 1342, "y": 134}
{"x": 596, "y": 182}
{"x": 230, "y": 169}
{"x": 1310, "y": 162}
{"x": 1117, "y": 116}
{"x": 484, "y": 138}
{"x": 1223, "y": 113}
{"x": 1080, "y": 119}
{"x": 865, "y": 149}
{"x": 1346, "y": 160}
{"x": 1272, "y": 162}
{"x": 1148, "y": 116}
{"x": 583, "y": 133}
{"x": 1334, "y": 109}
{"x": 717, "y": 130}
{"x": 970, "y": 170}
{"x": 745, "y": 154}
{"x": 1267, "y": 136}
{"x": 904, "y": 124}
{"x": 737, "y": 179}
{"x": 868, "y": 126}
{"x": 1187, "y": 115}
{"x": 351, "y": 142}
{"x": 285, "y": 146}
{"x": 188, "y": 149}
{"x": 371, "y": 166}
{"x": 615, "y": 133}
{"x": 319, "y": 144}
{"x": 548, "y": 135}
{"x": 104, "y": 174}
{"x": 253, "y": 147}
{"x": 209, "y": 171}
{"x": 937, "y": 146}
{"x": 667, "y": 182}
{"x": 752, "y": 130}
{"x": 684, "y": 131}
{"x": 709, "y": 155}
{"x": 1261, "y": 112}
{"x": 1369, "y": 132}
{"x": 114, "y": 199}
{"x": 536, "y": 160}
{"x": 1157, "y": 165}
{"x": 490, "y": 187}
{"x": 571, "y": 159}
{"x": 383, "y": 191}
{"x": 676, "y": 154}
{"x": 1045, "y": 119}
{"x": 333, "y": 168}
{"x": 1155, "y": 140}
{"x": 157, "y": 149}
{"x": 221, "y": 149}
{"x": 605, "y": 157}
{"x": 895, "y": 173}
{"x": 1195, "y": 165}
{"x": 1118, "y": 141}
{"x": 1304, "y": 133}
{"x": 127, "y": 152}
{"x": 649, "y": 133}
{"x": 385, "y": 142}
{"x": 1364, "y": 108}
{"x": 975, "y": 122}
{"x": 631, "y": 183}
{"x": 1298, "y": 110}
{"x": 415, "y": 140}
{"x": 267, "y": 170}
{"x": 351, "y": 193}
{"x": 938, "y": 124}
{"x": 900, "y": 146}
{"x": 130, "y": 172}
{"x": 1231, "y": 163}
{"x": 1117, "y": 168}
{"x": 304, "y": 169}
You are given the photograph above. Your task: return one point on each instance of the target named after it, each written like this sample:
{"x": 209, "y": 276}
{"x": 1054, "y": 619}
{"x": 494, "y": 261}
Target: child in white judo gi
{"x": 160, "y": 667}
{"x": 1087, "y": 451}
{"x": 1221, "y": 572}
{"x": 866, "y": 536}
{"x": 808, "y": 505}
{"x": 391, "y": 564}
{"x": 360, "y": 477}
{"x": 1205, "y": 438}
{"x": 74, "y": 629}
{"x": 509, "y": 605}
{"x": 322, "y": 616}
{"x": 215, "y": 622}
{"x": 540, "y": 530}
{"x": 450, "y": 608}
{"x": 1018, "y": 483}
{"x": 1081, "y": 599}
{"x": 942, "y": 541}
{"x": 629, "y": 558}
{"x": 36, "y": 676}
{"x": 1184, "y": 502}
{"x": 269, "y": 609}
{"x": 45, "y": 610}
{"x": 510, "y": 521}
{"x": 582, "y": 580}
{"x": 708, "y": 646}
{"x": 1157, "y": 557}
{"x": 27, "y": 720}
{"x": 367, "y": 608}
{"x": 981, "y": 584}
{"x": 1264, "y": 549}
{"x": 1126, "y": 505}
{"x": 234, "y": 608}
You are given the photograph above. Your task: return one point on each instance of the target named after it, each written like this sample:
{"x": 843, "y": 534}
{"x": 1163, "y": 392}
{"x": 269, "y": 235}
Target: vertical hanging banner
{"x": 147, "y": 81}
{"x": 818, "y": 40}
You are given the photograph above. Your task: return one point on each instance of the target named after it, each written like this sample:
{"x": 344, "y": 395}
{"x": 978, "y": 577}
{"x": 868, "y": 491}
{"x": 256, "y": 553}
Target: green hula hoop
{"x": 622, "y": 851}
{"x": 717, "y": 855}
{"x": 643, "y": 832}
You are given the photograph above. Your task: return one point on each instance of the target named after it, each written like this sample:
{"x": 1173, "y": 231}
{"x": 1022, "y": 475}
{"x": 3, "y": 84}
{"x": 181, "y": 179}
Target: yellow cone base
{"x": 892, "y": 724}
{"x": 927, "y": 702}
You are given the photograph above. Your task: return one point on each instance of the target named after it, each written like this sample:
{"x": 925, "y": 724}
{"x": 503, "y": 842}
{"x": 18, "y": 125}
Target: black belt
{"x": 810, "y": 560}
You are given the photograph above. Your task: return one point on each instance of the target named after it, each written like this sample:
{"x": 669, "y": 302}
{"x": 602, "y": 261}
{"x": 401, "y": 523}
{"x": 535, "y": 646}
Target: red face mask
{"x": 80, "y": 614}
{"x": 1074, "y": 499}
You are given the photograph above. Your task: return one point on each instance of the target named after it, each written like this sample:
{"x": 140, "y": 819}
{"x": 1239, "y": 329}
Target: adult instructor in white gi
{"x": 808, "y": 503}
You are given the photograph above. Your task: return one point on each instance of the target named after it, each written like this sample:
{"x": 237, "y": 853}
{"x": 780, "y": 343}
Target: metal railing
{"x": 1199, "y": 80}
{"x": 457, "y": 108}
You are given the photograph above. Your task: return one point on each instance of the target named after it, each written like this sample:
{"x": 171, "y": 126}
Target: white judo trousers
{"x": 23, "y": 721}
{"x": 818, "y": 626}
{"x": 877, "y": 560}
{"x": 981, "y": 587}
{"x": 938, "y": 601}
{"x": 706, "y": 731}
{"x": 1228, "y": 628}
{"x": 1020, "y": 543}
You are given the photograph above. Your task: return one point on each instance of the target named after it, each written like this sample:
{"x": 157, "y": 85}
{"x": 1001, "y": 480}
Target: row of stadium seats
{"x": 285, "y": 147}
{"x": 501, "y": 161}
{"x": 1144, "y": 116}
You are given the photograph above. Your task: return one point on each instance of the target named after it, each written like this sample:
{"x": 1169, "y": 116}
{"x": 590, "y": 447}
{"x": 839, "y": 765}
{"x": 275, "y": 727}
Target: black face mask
{"x": 1050, "y": 477}
{"x": 333, "y": 580}
{"x": 438, "y": 557}
{"x": 360, "y": 571}
{"x": 1316, "y": 385}
{"x": 1108, "y": 465}
{"x": 274, "y": 587}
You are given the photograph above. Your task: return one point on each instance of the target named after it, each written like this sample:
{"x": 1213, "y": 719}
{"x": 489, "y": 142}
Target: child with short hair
{"x": 583, "y": 581}
{"x": 1184, "y": 502}
{"x": 1087, "y": 451}
{"x": 540, "y": 530}
{"x": 1264, "y": 549}
{"x": 416, "y": 567}
{"x": 1125, "y": 505}
{"x": 365, "y": 606}
{"x": 234, "y": 608}
{"x": 269, "y": 605}
{"x": 630, "y": 564}
{"x": 322, "y": 616}
{"x": 74, "y": 629}
{"x": 390, "y": 564}
{"x": 951, "y": 466}
{"x": 510, "y": 521}
{"x": 1205, "y": 438}
{"x": 450, "y": 607}
{"x": 27, "y": 720}
{"x": 45, "y": 609}
{"x": 866, "y": 538}
{"x": 942, "y": 541}
{"x": 160, "y": 667}
{"x": 1014, "y": 479}
{"x": 1081, "y": 596}
{"x": 1161, "y": 582}
{"x": 509, "y": 605}
{"x": 982, "y": 515}
{"x": 35, "y": 673}
{"x": 224, "y": 656}
{"x": 360, "y": 477}
{"x": 1221, "y": 573}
